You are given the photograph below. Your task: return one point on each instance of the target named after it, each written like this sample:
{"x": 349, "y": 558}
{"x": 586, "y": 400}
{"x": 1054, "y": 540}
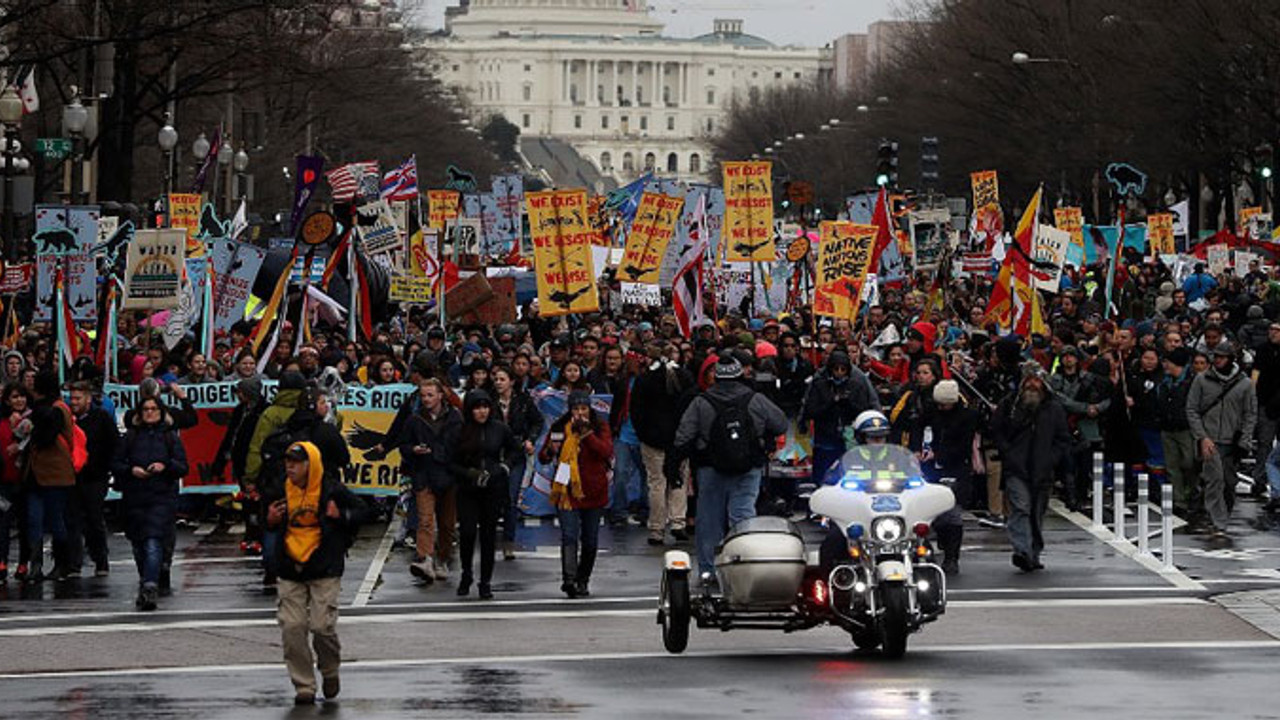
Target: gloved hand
{"x": 671, "y": 471}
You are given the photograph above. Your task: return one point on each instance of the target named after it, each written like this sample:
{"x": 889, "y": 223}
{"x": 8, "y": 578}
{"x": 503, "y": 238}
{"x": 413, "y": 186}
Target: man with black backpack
{"x": 1221, "y": 411}
{"x": 729, "y": 431}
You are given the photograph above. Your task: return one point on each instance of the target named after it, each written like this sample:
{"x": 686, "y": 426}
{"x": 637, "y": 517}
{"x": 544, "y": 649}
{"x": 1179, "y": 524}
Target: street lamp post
{"x": 10, "y": 116}
{"x": 75, "y": 117}
{"x": 225, "y": 156}
{"x": 167, "y": 139}
{"x": 241, "y": 164}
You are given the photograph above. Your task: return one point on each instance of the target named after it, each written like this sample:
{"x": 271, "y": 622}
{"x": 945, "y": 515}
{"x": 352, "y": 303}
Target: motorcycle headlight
{"x": 888, "y": 529}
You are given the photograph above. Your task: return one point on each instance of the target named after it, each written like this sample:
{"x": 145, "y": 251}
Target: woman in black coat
{"x": 234, "y": 449}
{"x": 148, "y": 466}
{"x": 481, "y": 459}
{"x": 519, "y": 412}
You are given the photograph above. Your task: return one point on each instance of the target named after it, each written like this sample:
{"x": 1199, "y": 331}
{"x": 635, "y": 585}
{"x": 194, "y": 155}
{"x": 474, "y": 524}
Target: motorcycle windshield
{"x": 876, "y": 469}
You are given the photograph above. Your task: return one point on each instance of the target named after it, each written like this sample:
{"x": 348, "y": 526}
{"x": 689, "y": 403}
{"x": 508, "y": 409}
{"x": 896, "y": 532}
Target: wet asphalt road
{"x": 1097, "y": 632}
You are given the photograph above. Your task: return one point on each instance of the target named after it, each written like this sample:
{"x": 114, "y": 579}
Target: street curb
{"x": 1259, "y": 608}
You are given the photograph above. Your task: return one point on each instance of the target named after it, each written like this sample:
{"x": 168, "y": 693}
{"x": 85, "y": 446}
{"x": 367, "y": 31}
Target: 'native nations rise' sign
{"x": 844, "y": 255}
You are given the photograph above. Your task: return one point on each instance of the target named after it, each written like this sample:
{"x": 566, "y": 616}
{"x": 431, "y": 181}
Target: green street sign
{"x": 53, "y": 148}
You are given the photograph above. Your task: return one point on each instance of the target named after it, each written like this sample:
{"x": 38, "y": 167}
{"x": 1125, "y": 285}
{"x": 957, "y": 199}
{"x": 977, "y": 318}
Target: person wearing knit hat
{"x": 1030, "y": 430}
{"x": 765, "y": 349}
{"x": 729, "y": 430}
{"x": 1175, "y": 432}
{"x": 949, "y": 459}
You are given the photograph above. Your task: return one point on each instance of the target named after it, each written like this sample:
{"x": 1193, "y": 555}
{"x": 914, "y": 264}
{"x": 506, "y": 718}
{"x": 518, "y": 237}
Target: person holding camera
{"x": 481, "y": 462}
{"x": 581, "y": 446}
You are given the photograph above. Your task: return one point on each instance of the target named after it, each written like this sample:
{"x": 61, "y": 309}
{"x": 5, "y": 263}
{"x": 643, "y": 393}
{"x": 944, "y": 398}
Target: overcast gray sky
{"x": 800, "y": 22}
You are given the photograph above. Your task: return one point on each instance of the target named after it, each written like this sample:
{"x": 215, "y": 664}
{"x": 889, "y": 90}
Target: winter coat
{"x": 476, "y": 449}
{"x": 11, "y": 471}
{"x": 953, "y": 432}
{"x": 235, "y": 442}
{"x": 336, "y": 534}
{"x": 833, "y": 406}
{"x": 1077, "y": 392}
{"x": 595, "y": 456}
{"x": 522, "y": 416}
{"x": 273, "y": 418}
{"x": 656, "y": 405}
{"x": 694, "y": 432}
{"x": 149, "y": 504}
{"x": 1254, "y": 333}
{"x": 431, "y": 471}
{"x": 1032, "y": 443}
{"x": 1145, "y": 412}
{"x": 48, "y": 460}
{"x": 1229, "y": 422}
{"x": 1171, "y": 396}
{"x": 101, "y": 436}
{"x": 1267, "y": 364}
{"x": 180, "y": 417}
{"x": 793, "y": 382}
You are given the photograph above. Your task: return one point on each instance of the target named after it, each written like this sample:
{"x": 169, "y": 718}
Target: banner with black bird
{"x": 748, "y": 213}
{"x": 651, "y": 231}
{"x": 64, "y": 238}
{"x": 844, "y": 256}
{"x": 562, "y": 234}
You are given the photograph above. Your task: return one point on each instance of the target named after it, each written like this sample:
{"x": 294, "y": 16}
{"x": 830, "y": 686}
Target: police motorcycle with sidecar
{"x": 875, "y": 576}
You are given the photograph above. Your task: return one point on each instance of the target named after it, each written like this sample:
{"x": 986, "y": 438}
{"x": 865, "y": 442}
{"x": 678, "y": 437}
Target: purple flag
{"x": 304, "y": 186}
{"x": 209, "y": 160}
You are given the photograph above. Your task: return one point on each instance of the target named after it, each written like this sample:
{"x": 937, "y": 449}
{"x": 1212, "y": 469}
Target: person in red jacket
{"x": 581, "y": 442}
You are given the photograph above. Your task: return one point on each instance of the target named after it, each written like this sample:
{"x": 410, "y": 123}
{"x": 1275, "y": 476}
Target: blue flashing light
{"x": 915, "y": 482}
{"x": 851, "y": 483}
{"x": 855, "y": 531}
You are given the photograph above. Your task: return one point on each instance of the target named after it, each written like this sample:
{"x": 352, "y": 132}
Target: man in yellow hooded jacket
{"x": 318, "y": 517}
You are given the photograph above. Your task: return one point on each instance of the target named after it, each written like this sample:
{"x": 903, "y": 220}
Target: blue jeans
{"x": 579, "y": 542}
{"x": 1273, "y": 472}
{"x": 148, "y": 555}
{"x": 271, "y": 540}
{"x": 512, "y": 514}
{"x": 628, "y": 478}
{"x": 723, "y": 501}
{"x": 46, "y": 509}
{"x": 1028, "y": 502}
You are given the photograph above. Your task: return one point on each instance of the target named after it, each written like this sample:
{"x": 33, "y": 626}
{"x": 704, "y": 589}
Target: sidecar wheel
{"x": 675, "y": 612}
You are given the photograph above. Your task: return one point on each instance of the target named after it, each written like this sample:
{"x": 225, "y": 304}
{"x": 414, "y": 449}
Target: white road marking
{"x": 206, "y": 528}
{"x": 1173, "y": 576}
{"x": 375, "y": 568}
{"x": 201, "y": 561}
{"x": 549, "y": 614}
{"x": 816, "y": 652}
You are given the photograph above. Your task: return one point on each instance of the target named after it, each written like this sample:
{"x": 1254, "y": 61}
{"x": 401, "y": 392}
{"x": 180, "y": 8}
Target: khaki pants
{"x": 995, "y": 496}
{"x": 666, "y": 504}
{"x": 437, "y": 523}
{"x": 1180, "y": 464}
{"x": 304, "y": 608}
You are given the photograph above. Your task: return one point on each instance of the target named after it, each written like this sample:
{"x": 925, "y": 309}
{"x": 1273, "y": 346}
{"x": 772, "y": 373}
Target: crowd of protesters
{"x": 1178, "y": 379}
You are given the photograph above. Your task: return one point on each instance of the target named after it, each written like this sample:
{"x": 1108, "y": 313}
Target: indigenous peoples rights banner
{"x": 235, "y": 265}
{"x": 366, "y": 415}
{"x": 153, "y": 270}
{"x": 64, "y": 237}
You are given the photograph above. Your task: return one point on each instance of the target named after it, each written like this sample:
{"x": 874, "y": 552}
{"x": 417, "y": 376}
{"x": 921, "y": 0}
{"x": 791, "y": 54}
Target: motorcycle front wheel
{"x": 897, "y": 609}
{"x": 675, "y": 611}
{"x": 866, "y": 639}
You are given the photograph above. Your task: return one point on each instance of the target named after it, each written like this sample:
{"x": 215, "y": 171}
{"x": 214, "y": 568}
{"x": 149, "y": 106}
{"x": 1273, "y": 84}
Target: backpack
{"x": 79, "y": 442}
{"x": 733, "y": 445}
{"x": 274, "y": 447}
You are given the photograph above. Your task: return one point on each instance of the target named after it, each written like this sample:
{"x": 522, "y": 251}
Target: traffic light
{"x": 784, "y": 200}
{"x": 887, "y": 164}
{"x": 1264, "y": 160}
{"x": 929, "y": 165}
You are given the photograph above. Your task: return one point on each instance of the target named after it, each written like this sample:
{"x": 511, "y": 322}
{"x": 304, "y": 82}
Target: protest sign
{"x": 16, "y": 278}
{"x": 748, "y": 219}
{"x": 844, "y": 256}
{"x": 377, "y": 228}
{"x": 930, "y": 230}
{"x": 65, "y": 237}
{"x": 651, "y": 232}
{"x": 411, "y": 289}
{"x": 562, "y": 251}
{"x": 235, "y": 266}
{"x": 154, "y": 269}
{"x": 1048, "y": 256}
{"x": 641, "y": 294}
{"x": 1219, "y": 258}
{"x": 988, "y": 219}
{"x": 1071, "y": 219}
{"x": 508, "y": 195}
{"x": 442, "y": 207}
{"x": 1160, "y": 234}
{"x": 184, "y": 213}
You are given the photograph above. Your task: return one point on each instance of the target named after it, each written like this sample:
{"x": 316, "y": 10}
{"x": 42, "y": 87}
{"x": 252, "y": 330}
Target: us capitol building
{"x": 598, "y": 77}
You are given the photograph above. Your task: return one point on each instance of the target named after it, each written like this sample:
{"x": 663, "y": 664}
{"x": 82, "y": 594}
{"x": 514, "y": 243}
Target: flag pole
{"x": 353, "y": 277}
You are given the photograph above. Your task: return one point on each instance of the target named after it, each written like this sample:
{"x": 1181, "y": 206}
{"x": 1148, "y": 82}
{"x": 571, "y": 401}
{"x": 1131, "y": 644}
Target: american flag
{"x": 345, "y": 180}
{"x": 402, "y": 183}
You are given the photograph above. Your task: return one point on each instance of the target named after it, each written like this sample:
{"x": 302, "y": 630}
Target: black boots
{"x": 949, "y": 540}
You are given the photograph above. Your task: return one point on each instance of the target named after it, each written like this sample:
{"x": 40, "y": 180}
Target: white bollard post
{"x": 1117, "y": 498}
{"x": 1166, "y": 525}
{"x": 1144, "y": 522}
{"x": 1098, "y": 493}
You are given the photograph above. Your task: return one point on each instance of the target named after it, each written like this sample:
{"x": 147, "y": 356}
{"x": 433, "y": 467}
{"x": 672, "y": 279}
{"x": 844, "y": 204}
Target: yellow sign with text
{"x": 844, "y": 255}
{"x": 748, "y": 212}
{"x": 1160, "y": 234}
{"x": 650, "y": 234}
{"x": 562, "y": 238}
{"x": 442, "y": 207}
